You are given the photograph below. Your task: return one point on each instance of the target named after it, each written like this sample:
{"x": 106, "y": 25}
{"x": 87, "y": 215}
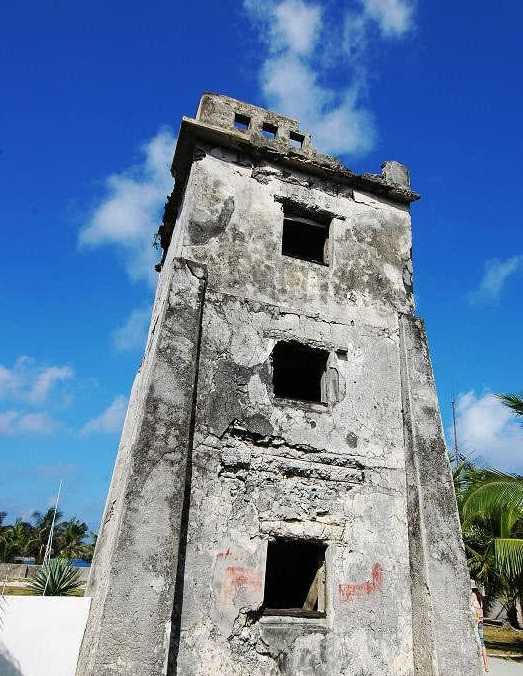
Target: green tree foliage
{"x": 490, "y": 505}
{"x": 71, "y": 538}
{"x": 514, "y": 402}
{"x": 40, "y": 532}
{"x": 56, "y": 577}
{"x": 13, "y": 540}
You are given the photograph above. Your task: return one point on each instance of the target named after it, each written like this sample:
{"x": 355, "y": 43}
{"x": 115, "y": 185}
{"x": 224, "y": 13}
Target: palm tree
{"x": 70, "y": 539}
{"x": 39, "y": 536}
{"x": 513, "y": 401}
{"x": 493, "y": 501}
{"x": 492, "y": 523}
{"x": 13, "y": 539}
{"x": 496, "y": 498}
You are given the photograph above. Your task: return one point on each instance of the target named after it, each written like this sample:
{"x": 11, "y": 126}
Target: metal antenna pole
{"x": 49, "y": 546}
{"x": 456, "y": 452}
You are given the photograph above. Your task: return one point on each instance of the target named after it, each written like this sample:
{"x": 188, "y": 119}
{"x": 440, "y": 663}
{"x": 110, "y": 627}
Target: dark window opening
{"x": 241, "y": 121}
{"x": 299, "y": 371}
{"x": 296, "y": 139}
{"x": 295, "y": 579}
{"x": 306, "y": 239}
{"x": 269, "y": 130}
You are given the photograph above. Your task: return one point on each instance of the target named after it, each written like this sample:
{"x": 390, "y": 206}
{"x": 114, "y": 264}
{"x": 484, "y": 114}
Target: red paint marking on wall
{"x": 231, "y": 554}
{"x": 349, "y": 592}
{"x": 225, "y": 554}
{"x": 239, "y": 577}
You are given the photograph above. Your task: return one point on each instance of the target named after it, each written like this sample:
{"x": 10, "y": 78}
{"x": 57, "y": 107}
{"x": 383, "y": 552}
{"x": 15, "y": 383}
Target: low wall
{"x": 14, "y": 571}
{"x": 19, "y": 571}
{"x": 41, "y": 635}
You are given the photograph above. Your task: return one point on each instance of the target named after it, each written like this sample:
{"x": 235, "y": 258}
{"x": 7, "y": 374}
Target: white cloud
{"x": 487, "y": 428}
{"x": 109, "y": 421}
{"x": 495, "y": 275}
{"x": 130, "y": 214}
{"x": 291, "y": 85}
{"x": 30, "y": 382}
{"x": 296, "y": 26}
{"x": 132, "y": 334}
{"x": 56, "y": 471}
{"x": 354, "y": 33}
{"x": 293, "y": 74}
{"x": 394, "y": 17}
{"x": 18, "y": 422}
{"x": 45, "y": 380}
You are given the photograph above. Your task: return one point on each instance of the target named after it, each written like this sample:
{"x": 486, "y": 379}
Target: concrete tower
{"x": 282, "y": 501}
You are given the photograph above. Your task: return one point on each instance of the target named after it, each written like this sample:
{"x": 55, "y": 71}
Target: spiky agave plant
{"x": 57, "y": 577}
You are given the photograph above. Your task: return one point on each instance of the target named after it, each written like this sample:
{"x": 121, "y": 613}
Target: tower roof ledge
{"x": 265, "y": 134}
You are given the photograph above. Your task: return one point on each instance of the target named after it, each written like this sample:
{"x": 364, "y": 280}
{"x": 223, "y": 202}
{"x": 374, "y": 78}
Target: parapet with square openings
{"x": 242, "y": 121}
{"x": 296, "y": 139}
{"x": 269, "y": 130}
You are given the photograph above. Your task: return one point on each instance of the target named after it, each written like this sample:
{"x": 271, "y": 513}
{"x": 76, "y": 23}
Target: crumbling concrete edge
{"x": 167, "y": 380}
{"x": 442, "y": 620}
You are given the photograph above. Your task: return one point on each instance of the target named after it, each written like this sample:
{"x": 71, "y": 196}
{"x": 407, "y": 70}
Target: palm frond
{"x": 513, "y": 401}
{"x": 509, "y": 556}
{"x": 493, "y": 491}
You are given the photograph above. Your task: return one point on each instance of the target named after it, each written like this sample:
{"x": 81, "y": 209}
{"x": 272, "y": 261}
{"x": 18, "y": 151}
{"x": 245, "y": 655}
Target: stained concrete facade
{"x": 217, "y": 464}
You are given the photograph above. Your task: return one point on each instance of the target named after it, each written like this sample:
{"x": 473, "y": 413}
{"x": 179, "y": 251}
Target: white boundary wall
{"x": 41, "y": 636}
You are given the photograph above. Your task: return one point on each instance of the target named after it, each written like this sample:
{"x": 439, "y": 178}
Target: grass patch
{"x": 504, "y": 642}
{"x": 24, "y": 591}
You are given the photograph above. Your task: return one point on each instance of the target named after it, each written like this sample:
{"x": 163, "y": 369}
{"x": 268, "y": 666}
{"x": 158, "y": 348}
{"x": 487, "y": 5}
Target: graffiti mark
{"x": 239, "y": 577}
{"x": 349, "y": 592}
{"x": 231, "y": 554}
{"x": 226, "y": 554}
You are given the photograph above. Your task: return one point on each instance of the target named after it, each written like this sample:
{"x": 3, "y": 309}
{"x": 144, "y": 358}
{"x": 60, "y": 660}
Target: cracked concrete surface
{"x": 213, "y": 465}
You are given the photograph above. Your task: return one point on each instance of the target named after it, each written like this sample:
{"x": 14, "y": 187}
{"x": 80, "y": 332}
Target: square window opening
{"x": 241, "y": 121}
{"x": 296, "y": 139}
{"x": 295, "y": 579}
{"x": 299, "y": 372}
{"x": 269, "y": 130}
{"x": 306, "y": 239}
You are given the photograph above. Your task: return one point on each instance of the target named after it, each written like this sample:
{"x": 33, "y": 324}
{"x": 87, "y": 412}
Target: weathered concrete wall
{"x": 40, "y": 636}
{"x": 133, "y": 578}
{"x": 13, "y": 571}
{"x": 265, "y": 467}
{"x": 232, "y": 221}
{"x": 442, "y": 623}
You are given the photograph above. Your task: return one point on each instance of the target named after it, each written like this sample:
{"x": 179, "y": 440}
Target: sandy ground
{"x": 505, "y": 667}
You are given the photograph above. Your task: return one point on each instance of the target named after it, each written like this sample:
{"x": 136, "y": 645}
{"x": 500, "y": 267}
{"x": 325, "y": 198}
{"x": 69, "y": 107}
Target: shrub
{"x": 57, "y": 577}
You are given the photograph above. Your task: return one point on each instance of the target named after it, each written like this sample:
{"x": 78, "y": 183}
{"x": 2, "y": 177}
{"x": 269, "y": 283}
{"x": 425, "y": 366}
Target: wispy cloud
{"x": 488, "y": 429}
{"x": 129, "y": 214}
{"x": 109, "y": 421}
{"x": 495, "y": 275}
{"x": 294, "y": 72}
{"x": 132, "y": 334}
{"x": 23, "y": 423}
{"x": 393, "y": 17}
{"x": 31, "y": 382}
{"x": 56, "y": 471}
{"x": 28, "y": 385}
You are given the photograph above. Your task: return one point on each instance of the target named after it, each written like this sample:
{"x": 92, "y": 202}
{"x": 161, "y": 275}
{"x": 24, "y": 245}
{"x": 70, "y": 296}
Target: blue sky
{"x": 92, "y": 96}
